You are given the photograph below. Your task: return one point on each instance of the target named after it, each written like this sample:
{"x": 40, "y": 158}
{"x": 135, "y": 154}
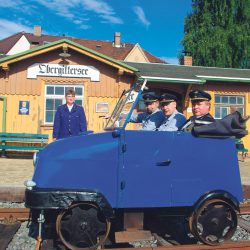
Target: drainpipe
{"x": 3, "y": 98}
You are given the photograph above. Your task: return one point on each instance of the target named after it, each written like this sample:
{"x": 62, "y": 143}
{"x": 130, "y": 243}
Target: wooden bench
{"x": 22, "y": 141}
{"x": 241, "y": 148}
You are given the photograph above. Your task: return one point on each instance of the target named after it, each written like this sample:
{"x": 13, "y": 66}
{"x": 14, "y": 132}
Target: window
{"x": 55, "y": 96}
{"x": 227, "y": 104}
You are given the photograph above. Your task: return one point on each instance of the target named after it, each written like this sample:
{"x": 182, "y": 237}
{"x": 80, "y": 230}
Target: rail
{"x": 12, "y": 215}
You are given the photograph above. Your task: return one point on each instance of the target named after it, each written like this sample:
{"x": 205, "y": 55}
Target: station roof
{"x": 102, "y": 46}
{"x": 159, "y": 72}
{"x": 5, "y": 61}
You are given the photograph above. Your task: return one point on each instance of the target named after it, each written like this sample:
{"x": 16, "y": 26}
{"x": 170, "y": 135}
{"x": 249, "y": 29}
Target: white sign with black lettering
{"x": 63, "y": 70}
{"x": 132, "y": 96}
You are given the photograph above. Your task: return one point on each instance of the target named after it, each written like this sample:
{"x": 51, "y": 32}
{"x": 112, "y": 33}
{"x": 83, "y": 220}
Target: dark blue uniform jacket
{"x": 69, "y": 123}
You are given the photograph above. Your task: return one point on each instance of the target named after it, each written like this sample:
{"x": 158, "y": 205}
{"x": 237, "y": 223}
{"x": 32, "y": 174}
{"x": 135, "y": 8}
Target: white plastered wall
{"x": 21, "y": 45}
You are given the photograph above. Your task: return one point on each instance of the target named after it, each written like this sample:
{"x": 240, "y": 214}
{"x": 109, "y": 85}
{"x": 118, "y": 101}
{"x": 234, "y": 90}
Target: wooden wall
{"x": 110, "y": 84}
{"x": 24, "y": 123}
{"x": 16, "y": 87}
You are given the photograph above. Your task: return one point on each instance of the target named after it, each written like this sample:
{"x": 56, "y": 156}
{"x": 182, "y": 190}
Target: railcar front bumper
{"x": 43, "y": 198}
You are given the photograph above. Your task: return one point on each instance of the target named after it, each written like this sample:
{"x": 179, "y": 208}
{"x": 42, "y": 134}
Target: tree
{"x": 217, "y": 33}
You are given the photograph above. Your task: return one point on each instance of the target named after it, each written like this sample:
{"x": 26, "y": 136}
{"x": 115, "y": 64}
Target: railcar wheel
{"x": 82, "y": 226}
{"x": 214, "y": 222}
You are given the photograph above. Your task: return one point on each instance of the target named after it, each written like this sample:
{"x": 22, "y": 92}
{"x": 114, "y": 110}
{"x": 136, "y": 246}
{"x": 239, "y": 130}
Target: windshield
{"x": 124, "y": 107}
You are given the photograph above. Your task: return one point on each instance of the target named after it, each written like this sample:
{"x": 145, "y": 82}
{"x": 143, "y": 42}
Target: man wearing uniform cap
{"x": 200, "y": 108}
{"x": 173, "y": 119}
{"x": 153, "y": 117}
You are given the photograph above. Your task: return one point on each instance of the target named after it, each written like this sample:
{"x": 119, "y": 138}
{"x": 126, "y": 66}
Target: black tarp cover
{"x": 231, "y": 125}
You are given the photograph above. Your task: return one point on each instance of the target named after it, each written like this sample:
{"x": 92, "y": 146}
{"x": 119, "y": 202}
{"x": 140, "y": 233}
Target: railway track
{"x": 22, "y": 214}
{"x": 12, "y": 216}
{"x": 245, "y": 208}
{"x": 229, "y": 246}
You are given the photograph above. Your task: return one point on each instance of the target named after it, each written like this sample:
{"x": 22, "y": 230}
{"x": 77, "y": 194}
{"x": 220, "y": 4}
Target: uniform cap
{"x": 199, "y": 95}
{"x": 150, "y": 98}
{"x": 167, "y": 98}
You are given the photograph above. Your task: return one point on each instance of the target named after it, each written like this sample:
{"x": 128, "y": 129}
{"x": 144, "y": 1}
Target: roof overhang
{"x": 221, "y": 78}
{"x": 65, "y": 43}
{"x": 195, "y": 75}
{"x": 172, "y": 80}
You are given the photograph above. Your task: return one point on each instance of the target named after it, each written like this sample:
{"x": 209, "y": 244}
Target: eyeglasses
{"x": 70, "y": 96}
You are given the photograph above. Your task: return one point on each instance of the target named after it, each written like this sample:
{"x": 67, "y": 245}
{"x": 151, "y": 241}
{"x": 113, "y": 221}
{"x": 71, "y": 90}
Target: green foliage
{"x": 217, "y": 33}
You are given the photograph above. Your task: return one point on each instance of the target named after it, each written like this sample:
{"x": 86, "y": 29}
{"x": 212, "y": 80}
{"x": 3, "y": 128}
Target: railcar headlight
{"x": 35, "y": 158}
{"x": 29, "y": 184}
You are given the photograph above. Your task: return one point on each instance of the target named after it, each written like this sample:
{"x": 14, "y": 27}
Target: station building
{"x": 37, "y": 69}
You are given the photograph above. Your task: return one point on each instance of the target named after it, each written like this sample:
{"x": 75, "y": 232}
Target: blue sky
{"x": 156, "y": 25}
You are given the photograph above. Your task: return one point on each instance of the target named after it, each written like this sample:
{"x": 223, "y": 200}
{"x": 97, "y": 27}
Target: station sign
{"x": 63, "y": 70}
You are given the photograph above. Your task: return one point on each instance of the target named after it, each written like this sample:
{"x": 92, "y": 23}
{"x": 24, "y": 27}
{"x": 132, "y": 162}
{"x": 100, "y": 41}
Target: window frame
{"x": 228, "y": 105}
{"x": 60, "y": 97}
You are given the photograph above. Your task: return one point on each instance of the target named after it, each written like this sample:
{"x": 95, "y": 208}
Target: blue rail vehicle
{"x": 83, "y": 185}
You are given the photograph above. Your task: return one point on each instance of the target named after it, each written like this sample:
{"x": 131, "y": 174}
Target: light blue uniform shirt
{"x": 150, "y": 121}
{"x": 173, "y": 123}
